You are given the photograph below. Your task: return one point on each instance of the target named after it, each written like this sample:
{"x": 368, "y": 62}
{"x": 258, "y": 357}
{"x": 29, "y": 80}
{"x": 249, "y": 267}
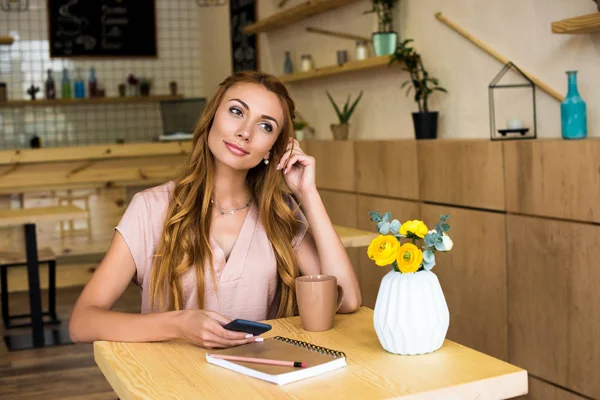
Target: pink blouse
{"x": 246, "y": 283}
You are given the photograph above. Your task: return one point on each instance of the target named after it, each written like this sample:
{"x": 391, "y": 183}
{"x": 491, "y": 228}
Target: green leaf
{"x": 354, "y": 105}
{"x": 337, "y": 110}
{"x": 445, "y": 227}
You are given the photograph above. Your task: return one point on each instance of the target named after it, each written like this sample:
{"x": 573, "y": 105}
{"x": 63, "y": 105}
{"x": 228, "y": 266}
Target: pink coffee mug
{"x": 319, "y": 298}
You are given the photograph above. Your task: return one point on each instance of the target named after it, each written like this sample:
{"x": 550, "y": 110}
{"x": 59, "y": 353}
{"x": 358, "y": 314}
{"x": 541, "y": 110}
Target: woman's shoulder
{"x": 155, "y": 196}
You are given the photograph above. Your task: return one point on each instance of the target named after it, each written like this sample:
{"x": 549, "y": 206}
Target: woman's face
{"x": 246, "y": 126}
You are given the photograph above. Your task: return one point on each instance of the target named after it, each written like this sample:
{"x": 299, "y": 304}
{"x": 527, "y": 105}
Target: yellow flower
{"x": 418, "y": 228}
{"x": 383, "y": 250}
{"x": 409, "y": 258}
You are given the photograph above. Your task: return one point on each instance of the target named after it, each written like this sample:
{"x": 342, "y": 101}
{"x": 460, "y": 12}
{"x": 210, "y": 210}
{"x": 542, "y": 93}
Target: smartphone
{"x": 243, "y": 325}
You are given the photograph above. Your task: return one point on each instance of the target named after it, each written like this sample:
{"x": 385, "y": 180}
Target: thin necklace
{"x": 224, "y": 211}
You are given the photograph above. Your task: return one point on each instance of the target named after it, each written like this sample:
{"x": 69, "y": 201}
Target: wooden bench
{"x": 18, "y": 259}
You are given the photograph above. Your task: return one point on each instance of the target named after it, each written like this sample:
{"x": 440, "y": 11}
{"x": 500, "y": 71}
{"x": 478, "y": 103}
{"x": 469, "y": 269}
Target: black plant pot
{"x": 425, "y": 124}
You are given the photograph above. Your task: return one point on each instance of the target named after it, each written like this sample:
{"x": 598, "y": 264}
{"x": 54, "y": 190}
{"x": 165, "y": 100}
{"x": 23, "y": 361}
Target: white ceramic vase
{"x": 411, "y": 315}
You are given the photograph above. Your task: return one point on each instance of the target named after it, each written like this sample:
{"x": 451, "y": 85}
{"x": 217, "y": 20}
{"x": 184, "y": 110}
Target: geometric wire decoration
{"x": 210, "y": 3}
{"x": 510, "y": 132}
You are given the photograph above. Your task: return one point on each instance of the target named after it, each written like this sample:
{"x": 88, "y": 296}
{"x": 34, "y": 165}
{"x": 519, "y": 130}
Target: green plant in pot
{"x": 145, "y": 86}
{"x": 423, "y": 85}
{"x": 341, "y": 131}
{"x": 385, "y": 39}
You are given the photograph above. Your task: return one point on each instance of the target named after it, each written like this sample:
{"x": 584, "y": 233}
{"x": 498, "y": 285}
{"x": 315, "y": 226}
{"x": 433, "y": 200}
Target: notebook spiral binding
{"x": 310, "y": 346}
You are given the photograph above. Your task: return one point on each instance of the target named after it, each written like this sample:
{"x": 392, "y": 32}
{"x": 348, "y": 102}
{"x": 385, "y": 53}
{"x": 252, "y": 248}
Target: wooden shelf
{"x": 92, "y": 100}
{"x": 589, "y": 23}
{"x": 295, "y": 14}
{"x": 6, "y": 40}
{"x": 369, "y": 63}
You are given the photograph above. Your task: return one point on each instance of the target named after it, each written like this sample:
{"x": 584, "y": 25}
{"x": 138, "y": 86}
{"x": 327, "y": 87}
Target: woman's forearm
{"x": 92, "y": 323}
{"x": 332, "y": 254}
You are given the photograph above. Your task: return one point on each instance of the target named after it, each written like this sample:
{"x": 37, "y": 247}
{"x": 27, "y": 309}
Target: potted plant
{"x": 423, "y": 84}
{"x": 145, "y": 86}
{"x": 132, "y": 85}
{"x": 410, "y": 315}
{"x": 341, "y": 131}
{"x": 385, "y": 39}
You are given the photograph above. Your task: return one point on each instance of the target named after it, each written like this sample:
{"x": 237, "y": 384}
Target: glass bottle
{"x": 573, "y": 112}
{"x": 50, "y": 86}
{"x": 66, "y": 85}
{"x": 92, "y": 84}
{"x": 79, "y": 86}
{"x": 288, "y": 68}
{"x": 306, "y": 63}
{"x": 361, "y": 50}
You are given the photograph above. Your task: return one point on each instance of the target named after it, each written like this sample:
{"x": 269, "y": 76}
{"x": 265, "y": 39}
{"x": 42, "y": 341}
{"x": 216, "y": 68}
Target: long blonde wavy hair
{"x": 185, "y": 239}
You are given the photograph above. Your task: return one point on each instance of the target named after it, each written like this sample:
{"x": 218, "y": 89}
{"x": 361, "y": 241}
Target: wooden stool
{"x": 18, "y": 259}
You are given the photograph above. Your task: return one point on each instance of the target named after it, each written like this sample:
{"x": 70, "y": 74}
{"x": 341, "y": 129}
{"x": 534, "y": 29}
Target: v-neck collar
{"x": 232, "y": 268}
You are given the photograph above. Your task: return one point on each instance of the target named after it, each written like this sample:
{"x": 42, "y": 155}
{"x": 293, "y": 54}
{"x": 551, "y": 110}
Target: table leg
{"x": 38, "y": 337}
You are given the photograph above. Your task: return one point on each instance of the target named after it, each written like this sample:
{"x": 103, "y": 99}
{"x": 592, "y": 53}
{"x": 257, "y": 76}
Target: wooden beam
{"x": 104, "y": 173}
{"x": 13, "y": 217}
{"x": 497, "y": 55}
{"x": 96, "y": 152}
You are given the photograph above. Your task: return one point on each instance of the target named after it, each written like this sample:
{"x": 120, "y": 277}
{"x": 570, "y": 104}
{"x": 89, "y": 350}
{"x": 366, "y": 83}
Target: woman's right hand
{"x": 205, "y": 329}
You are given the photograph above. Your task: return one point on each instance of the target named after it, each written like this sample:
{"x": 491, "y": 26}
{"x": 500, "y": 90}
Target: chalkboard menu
{"x": 104, "y": 28}
{"x": 244, "y": 54}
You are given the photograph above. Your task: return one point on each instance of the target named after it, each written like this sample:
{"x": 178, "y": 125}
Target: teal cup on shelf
{"x": 573, "y": 112}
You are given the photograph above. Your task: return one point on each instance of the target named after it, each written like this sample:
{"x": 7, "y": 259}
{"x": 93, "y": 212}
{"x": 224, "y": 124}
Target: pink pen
{"x": 297, "y": 364}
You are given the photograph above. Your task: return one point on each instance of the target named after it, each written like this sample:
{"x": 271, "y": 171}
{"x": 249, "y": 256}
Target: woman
{"x": 223, "y": 240}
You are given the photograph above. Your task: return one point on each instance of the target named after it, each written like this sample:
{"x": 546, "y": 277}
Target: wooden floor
{"x": 63, "y": 372}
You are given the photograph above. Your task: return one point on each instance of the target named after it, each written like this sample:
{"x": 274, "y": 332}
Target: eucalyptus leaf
{"x": 379, "y": 224}
{"x": 395, "y": 226}
{"x": 428, "y": 259}
{"x": 445, "y": 227}
{"x": 387, "y": 216}
{"x": 429, "y": 240}
{"x": 385, "y": 228}
{"x": 440, "y": 245}
{"x": 375, "y": 216}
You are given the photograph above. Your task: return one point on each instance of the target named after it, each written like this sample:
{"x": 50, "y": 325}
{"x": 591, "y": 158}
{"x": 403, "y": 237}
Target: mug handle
{"x": 340, "y": 297}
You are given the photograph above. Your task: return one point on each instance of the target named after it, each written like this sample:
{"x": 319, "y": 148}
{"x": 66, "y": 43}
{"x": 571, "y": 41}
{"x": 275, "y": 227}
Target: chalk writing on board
{"x": 102, "y": 28}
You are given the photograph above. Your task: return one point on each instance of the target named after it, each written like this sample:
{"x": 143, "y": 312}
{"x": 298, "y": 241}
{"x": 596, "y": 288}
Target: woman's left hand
{"x": 298, "y": 169}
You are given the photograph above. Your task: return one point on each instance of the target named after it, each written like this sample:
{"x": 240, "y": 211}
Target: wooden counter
{"x": 524, "y": 219}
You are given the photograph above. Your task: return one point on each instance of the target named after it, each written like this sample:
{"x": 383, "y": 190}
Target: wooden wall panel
{"x": 387, "y": 168}
{"x": 369, "y": 274}
{"x": 540, "y": 390}
{"x": 554, "y": 178}
{"x": 462, "y": 172}
{"x": 341, "y": 208}
{"x": 473, "y": 277}
{"x": 554, "y": 312}
{"x": 334, "y": 163}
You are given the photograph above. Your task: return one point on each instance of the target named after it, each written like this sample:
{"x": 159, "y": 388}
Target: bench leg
{"x": 52, "y": 290}
{"x": 4, "y": 281}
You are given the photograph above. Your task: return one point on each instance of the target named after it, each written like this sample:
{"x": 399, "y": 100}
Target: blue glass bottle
{"x": 79, "y": 85}
{"x": 573, "y": 111}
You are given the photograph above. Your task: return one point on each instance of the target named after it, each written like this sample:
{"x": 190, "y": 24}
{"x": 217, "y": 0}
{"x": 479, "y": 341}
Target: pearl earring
{"x": 267, "y": 161}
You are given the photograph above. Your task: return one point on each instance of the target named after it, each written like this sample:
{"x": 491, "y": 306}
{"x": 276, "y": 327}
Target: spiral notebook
{"x": 318, "y": 359}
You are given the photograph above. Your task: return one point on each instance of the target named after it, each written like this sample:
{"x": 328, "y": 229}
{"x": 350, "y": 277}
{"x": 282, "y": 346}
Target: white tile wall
{"x": 25, "y": 62}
